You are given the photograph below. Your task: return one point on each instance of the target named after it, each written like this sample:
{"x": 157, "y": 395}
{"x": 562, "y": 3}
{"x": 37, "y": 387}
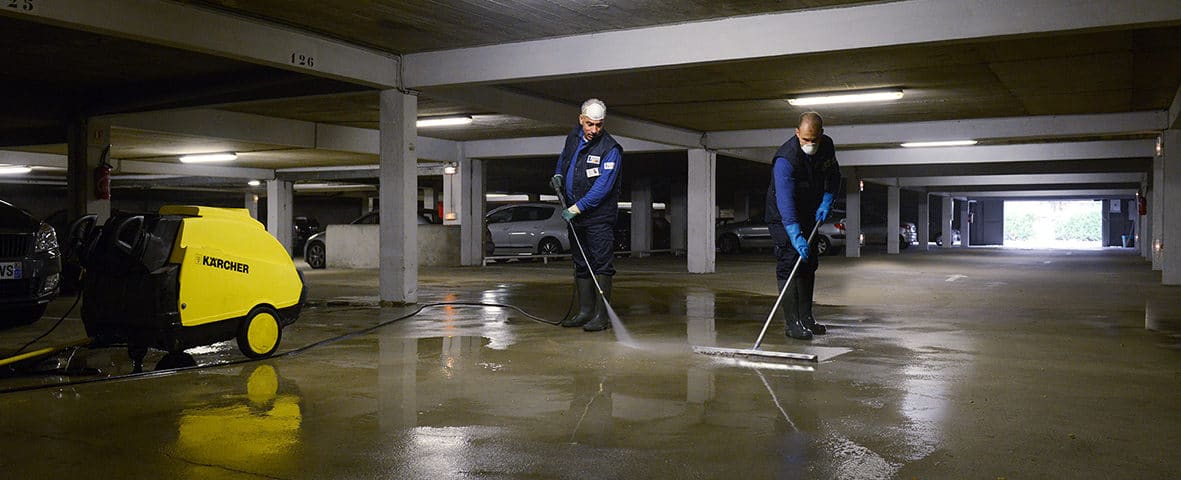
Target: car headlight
{"x": 46, "y": 239}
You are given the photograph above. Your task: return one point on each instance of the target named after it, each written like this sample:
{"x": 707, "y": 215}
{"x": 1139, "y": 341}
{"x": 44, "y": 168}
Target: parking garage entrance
{"x": 1059, "y": 224}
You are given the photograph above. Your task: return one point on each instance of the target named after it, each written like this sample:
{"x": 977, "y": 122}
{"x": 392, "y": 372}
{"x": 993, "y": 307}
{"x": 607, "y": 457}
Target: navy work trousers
{"x": 598, "y": 241}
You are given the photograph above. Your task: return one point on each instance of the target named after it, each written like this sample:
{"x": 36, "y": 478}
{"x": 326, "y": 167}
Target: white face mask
{"x": 809, "y": 149}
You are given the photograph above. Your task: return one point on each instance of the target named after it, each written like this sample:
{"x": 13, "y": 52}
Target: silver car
{"x": 733, "y": 237}
{"x": 527, "y": 228}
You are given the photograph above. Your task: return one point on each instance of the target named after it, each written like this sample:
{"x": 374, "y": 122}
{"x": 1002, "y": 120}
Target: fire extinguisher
{"x": 1141, "y": 204}
{"x": 102, "y": 177}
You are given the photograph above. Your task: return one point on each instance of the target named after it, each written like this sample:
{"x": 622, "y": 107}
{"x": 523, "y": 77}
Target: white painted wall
{"x": 356, "y": 246}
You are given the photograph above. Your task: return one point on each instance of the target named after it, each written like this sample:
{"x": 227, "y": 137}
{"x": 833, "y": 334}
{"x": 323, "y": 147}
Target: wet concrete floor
{"x": 983, "y": 364}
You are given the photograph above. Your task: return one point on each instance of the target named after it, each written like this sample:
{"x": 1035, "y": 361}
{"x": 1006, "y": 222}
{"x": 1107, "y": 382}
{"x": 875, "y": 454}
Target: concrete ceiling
{"x": 667, "y": 88}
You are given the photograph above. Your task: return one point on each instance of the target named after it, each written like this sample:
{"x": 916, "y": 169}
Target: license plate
{"x": 10, "y": 271}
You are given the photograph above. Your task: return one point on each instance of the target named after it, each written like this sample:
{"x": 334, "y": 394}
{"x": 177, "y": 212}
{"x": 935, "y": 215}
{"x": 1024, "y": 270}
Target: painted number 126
{"x": 26, "y": 5}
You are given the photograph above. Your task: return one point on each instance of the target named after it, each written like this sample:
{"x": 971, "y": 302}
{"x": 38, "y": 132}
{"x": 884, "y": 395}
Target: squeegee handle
{"x": 779, "y": 299}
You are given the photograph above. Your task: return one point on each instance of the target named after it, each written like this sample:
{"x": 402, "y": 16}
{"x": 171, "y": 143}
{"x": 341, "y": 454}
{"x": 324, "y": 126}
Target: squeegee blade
{"x": 746, "y": 352}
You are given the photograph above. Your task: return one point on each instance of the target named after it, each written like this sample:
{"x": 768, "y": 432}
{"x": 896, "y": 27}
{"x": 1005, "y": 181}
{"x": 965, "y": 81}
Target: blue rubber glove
{"x": 825, "y": 208}
{"x": 569, "y": 213}
{"x": 797, "y": 240}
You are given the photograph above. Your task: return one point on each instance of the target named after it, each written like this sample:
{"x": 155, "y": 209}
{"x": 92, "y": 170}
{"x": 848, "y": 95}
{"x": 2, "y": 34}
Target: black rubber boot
{"x": 587, "y": 298}
{"x": 807, "y": 286}
{"x": 602, "y": 320}
{"x": 791, "y": 313}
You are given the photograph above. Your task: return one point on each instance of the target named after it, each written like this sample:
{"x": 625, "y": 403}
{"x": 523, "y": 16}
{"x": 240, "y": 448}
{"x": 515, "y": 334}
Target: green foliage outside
{"x": 1084, "y": 227}
{"x": 1019, "y": 227}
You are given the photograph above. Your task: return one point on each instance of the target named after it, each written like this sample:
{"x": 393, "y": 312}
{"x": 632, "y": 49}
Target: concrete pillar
{"x": 1105, "y": 222}
{"x": 428, "y": 199}
{"x": 741, "y": 206}
{"x": 452, "y": 197}
{"x": 1171, "y": 217}
{"x": 893, "y": 194}
{"x": 1144, "y": 227}
{"x": 702, "y": 210}
{"x": 471, "y": 211}
{"x": 1157, "y": 214}
{"x": 87, "y": 141}
{"x": 924, "y": 223}
{"x": 965, "y": 227}
{"x": 945, "y": 221}
{"x": 678, "y": 216}
{"x": 641, "y": 241}
{"x": 853, "y": 217}
{"x": 398, "y": 184}
{"x": 280, "y": 209}
{"x": 251, "y": 204}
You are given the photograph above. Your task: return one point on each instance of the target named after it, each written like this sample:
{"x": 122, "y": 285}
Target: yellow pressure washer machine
{"x": 186, "y": 277}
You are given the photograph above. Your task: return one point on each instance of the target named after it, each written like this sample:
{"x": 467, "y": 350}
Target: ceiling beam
{"x": 1045, "y": 126}
{"x": 1067, "y": 194}
{"x": 777, "y": 34}
{"x": 544, "y": 110}
{"x": 1174, "y": 114}
{"x": 547, "y": 146}
{"x": 30, "y": 159}
{"x": 1139, "y": 165}
{"x": 1116, "y": 149}
{"x": 1020, "y": 179}
{"x": 246, "y": 127}
{"x": 201, "y": 30}
{"x": 168, "y": 168}
{"x": 222, "y": 124}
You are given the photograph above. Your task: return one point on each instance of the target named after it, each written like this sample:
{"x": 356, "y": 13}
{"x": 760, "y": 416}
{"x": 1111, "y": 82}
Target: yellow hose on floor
{"x": 44, "y": 351}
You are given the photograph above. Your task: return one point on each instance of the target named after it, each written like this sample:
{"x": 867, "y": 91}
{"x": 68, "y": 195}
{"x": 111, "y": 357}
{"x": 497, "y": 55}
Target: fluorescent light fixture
{"x": 444, "y": 121}
{"x": 946, "y": 143}
{"x": 846, "y": 97}
{"x": 208, "y": 157}
{"x": 254, "y": 183}
{"x": 14, "y": 170}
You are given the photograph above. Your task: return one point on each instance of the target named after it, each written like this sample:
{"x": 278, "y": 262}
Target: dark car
{"x": 733, "y": 237}
{"x": 302, "y": 228}
{"x": 623, "y": 232}
{"x": 30, "y": 265}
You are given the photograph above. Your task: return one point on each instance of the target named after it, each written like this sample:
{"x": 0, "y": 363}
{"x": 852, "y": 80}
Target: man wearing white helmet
{"x": 588, "y": 171}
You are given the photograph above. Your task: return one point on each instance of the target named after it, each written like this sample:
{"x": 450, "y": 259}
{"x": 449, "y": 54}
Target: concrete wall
{"x": 356, "y": 246}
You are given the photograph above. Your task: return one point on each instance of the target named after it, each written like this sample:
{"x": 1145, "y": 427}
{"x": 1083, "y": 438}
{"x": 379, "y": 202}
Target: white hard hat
{"x": 594, "y": 109}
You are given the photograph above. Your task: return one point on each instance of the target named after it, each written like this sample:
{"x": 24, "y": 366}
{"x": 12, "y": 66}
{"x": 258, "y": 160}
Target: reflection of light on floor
{"x": 927, "y": 380}
{"x": 204, "y": 349}
{"x": 437, "y": 451}
{"x": 780, "y": 366}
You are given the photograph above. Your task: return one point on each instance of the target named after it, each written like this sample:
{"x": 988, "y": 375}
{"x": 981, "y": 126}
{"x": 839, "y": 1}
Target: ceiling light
{"x": 254, "y": 183}
{"x": 450, "y": 169}
{"x": 946, "y": 143}
{"x": 14, "y": 170}
{"x": 444, "y": 121}
{"x": 846, "y": 97}
{"x": 208, "y": 157}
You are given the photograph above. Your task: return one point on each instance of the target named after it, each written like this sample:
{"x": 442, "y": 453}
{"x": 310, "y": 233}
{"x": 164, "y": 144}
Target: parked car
{"x": 873, "y": 232}
{"x": 733, "y": 237}
{"x": 30, "y": 265}
{"x": 528, "y": 228}
{"x": 314, "y": 253}
{"x": 937, "y": 236}
{"x": 302, "y": 228}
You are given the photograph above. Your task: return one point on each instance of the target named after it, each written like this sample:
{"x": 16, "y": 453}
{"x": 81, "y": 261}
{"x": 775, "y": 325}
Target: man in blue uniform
{"x": 589, "y": 171}
{"x": 804, "y": 181}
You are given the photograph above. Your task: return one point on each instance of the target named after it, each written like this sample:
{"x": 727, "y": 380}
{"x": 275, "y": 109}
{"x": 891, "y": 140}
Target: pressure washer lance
{"x": 754, "y": 351}
{"x": 555, "y": 184}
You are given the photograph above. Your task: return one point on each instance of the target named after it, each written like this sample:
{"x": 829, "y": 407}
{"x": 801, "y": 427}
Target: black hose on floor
{"x": 293, "y": 352}
{"x": 51, "y": 329}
